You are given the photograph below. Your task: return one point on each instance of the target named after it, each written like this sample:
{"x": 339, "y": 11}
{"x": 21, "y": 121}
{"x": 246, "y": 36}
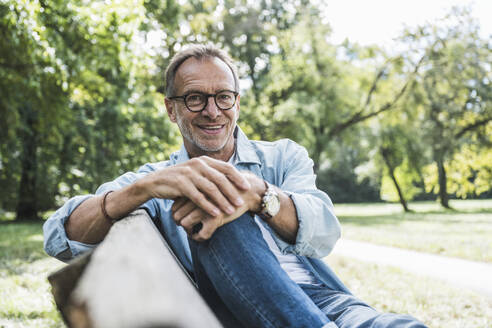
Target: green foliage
{"x": 348, "y": 176}
{"x": 445, "y": 114}
{"x": 406, "y": 177}
{"x": 452, "y": 93}
{"x": 471, "y": 171}
{"x": 305, "y": 94}
{"x": 76, "y": 102}
{"x": 81, "y": 96}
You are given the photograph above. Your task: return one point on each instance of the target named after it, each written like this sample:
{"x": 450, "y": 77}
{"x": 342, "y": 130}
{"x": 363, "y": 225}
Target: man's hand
{"x": 214, "y": 186}
{"x": 187, "y": 214}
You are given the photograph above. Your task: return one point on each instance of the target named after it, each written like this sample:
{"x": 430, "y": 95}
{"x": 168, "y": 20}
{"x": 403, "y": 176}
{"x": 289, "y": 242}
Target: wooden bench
{"x": 132, "y": 279}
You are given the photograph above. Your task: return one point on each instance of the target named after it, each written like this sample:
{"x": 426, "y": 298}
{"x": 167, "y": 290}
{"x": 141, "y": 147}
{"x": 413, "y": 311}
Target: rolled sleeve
{"x": 319, "y": 228}
{"x": 56, "y": 242}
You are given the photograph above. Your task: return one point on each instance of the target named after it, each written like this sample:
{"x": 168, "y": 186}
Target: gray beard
{"x": 186, "y": 133}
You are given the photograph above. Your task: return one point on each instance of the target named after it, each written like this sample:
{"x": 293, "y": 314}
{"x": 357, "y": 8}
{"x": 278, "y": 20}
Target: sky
{"x": 379, "y": 21}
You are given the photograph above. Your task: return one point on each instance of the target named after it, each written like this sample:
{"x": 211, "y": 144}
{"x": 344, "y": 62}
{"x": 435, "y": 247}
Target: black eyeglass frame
{"x": 207, "y": 95}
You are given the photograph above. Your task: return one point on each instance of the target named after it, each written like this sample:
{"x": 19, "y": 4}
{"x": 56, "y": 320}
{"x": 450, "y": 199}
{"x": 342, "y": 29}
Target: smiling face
{"x": 209, "y": 132}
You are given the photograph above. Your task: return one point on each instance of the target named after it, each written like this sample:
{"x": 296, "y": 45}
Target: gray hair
{"x": 199, "y": 52}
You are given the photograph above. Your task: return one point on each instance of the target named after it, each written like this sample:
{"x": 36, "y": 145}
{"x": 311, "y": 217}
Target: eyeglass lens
{"x": 224, "y": 100}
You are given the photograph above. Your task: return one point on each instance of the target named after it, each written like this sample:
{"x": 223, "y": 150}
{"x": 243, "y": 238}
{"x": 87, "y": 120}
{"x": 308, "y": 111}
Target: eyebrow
{"x": 201, "y": 91}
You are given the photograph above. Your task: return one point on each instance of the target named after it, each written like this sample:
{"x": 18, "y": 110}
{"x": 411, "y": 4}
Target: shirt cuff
{"x": 304, "y": 233}
{"x": 56, "y": 242}
{"x": 318, "y": 231}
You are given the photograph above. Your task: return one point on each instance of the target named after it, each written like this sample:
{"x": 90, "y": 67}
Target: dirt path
{"x": 473, "y": 275}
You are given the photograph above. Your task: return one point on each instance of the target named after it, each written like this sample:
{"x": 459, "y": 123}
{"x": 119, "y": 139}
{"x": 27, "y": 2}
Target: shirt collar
{"x": 182, "y": 155}
{"x": 245, "y": 152}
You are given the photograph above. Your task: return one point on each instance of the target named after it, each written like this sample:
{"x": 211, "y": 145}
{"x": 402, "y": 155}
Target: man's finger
{"x": 180, "y": 201}
{"x": 225, "y": 186}
{"x": 213, "y": 193}
{"x": 228, "y": 170}
{"x": 215, "y": 181}
{"x": 190, "y": 220}
{"x": 208, "y": 229}
{"x": 193, "y": 194}
{"x": 184, "y": 211}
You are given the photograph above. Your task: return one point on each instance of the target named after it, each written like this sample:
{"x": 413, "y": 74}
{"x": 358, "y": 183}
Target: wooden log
{"x": 134, "y": 280}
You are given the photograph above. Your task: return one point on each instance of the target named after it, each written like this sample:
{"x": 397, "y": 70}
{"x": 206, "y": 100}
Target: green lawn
{"x": 25, "y": 297}
{"x": 26, "y": 301}
{"x": 432, "y": 301}
{"x": 464, "y": 232}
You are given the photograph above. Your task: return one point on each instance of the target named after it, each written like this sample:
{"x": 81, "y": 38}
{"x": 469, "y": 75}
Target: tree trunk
{"x": 64, "y": 162}
{"x": 421, "y": 182}
{"x": 316, "y": 159}
{"x": 443, "y": 190}
{"x": 316, "y": 156}
{"x": 27, "y": 206}
{"x": 391, "y": 169}
{"x": 403, "y": 201}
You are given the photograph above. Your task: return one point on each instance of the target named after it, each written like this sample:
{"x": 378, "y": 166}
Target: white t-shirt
{"x": 289, "y": 262}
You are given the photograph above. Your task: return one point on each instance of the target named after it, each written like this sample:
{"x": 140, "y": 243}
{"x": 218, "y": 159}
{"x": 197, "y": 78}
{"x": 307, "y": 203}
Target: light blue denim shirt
{"x": 283, "y": 163}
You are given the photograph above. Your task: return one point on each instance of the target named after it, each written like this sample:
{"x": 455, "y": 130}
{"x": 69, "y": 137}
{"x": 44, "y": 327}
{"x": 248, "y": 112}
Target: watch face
{"x": 272, "y": 205}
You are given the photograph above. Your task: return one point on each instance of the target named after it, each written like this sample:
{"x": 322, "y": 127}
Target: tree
{"x": 453, "y": 89}
{"x": 314, "y": 96}
{"x": 69, "y": 99}
{"x": 33, "y": 94}
{"x": 392, "y": 155}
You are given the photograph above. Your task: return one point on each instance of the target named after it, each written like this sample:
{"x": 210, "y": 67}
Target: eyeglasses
{"x": 198, "y": 101}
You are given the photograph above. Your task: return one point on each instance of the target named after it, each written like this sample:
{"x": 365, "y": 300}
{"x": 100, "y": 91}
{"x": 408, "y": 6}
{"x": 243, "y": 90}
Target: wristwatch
{"x": 270, "y": 203}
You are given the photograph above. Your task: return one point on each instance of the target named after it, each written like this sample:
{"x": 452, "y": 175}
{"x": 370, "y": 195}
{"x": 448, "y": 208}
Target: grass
{"x": 25, "y": 297}
{"x": 435, "y": 303}
{"x": 26, "y": 300}
{"x": 465, "y": 232}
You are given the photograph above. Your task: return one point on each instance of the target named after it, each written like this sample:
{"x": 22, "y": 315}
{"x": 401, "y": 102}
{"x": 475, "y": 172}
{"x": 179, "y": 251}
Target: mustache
{"x": 202, "y": 121}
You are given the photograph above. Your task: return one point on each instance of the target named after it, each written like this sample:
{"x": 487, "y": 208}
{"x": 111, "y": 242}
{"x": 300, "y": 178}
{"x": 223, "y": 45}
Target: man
{"x": 244, "y": 216}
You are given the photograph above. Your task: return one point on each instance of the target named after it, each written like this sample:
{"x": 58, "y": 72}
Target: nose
{"x": 211, "y": 110}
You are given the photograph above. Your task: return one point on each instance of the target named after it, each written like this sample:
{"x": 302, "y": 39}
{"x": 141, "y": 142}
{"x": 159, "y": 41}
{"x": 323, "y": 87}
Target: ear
{"x": 238, "y": 107}
{"x": 170, "y": 109}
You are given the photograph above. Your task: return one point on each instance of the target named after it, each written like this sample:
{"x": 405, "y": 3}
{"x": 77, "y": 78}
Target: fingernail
{"x": 215, "y": 212}
{"x": 239, "y": 201}
{"x": 229, "y": 210}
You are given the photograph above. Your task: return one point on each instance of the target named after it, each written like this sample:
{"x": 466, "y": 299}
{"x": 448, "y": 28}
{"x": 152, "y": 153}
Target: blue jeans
{"x": 244, "y": 284}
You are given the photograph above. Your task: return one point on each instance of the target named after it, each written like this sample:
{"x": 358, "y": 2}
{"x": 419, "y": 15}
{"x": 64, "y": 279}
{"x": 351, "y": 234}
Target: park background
{"x": 403, "y": 121}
